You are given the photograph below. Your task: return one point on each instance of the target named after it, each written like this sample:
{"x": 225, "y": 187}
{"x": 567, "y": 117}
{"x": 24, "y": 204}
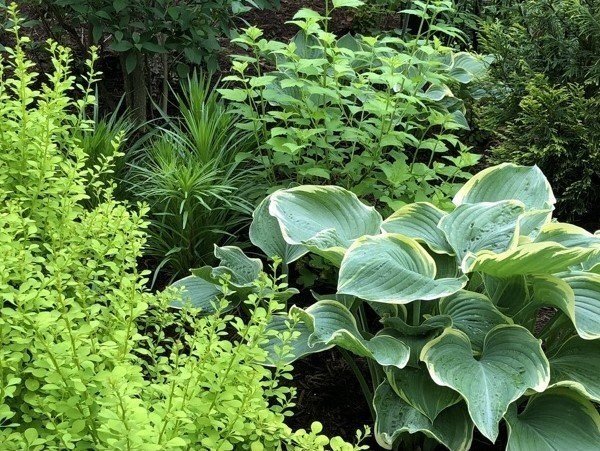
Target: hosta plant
{"x": 489, "y": 313}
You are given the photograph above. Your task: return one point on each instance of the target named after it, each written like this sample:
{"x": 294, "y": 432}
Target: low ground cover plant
{"x": 89, "y": 359}
{"x": 459, "y": 343}
{"x": 374, "y": 114}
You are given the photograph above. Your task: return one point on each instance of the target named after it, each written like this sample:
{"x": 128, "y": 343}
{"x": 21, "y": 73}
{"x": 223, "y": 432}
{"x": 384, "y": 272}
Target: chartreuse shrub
{"x": 88, "y": 358}
{"x": 376, "y": 115}
{"x": 460, "y": 343}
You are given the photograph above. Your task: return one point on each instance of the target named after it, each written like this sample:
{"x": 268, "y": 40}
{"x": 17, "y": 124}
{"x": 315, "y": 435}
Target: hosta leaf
{"x": 415, "y": 337}
{"x": 393, "y": 269}
{"x": 530, "y": 258}
{"x": 558, "y": 419}
{"x": 333, "y": 324}
{"x": 575, "y": 293}
{"x": 326, "y": 219}
{"x": 452, "y": 427}
{"x": 576, "y": 364}
{"x": 299, "y": 345}
{"x": 415, "y": 387}
{"x": 472, "y": 313}
{"x": 568, "y": 235}
{"x": 199, "y": 293}
{"x": 420, "y": 222}
{"x": 486, "y": 225}
{"x": 243, "y": 269}
{"x": 511, "y": 362}
{"x": 344, "y": 299}
{"x": 265, "y": 234}
{"x": 508, "y": 181}
{"x": 532, "y": 221}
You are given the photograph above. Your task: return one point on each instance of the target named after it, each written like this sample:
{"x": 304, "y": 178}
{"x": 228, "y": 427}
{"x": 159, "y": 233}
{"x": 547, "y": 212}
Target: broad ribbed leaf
{"x": 333, "y": 324}
{"x": 420, "y": 222}
{"x": 452, "y": 427}
{"x": 511, "y": 362}
{"x": 474, "y": 314}
{"x": 576, "y": 364}
{"x": 265, "y": 233}
{"x": 299, "y": 345}
{"x": 471, "y": 228}
{"x": 198, "y": 293}
{"x": 530, "y": 258}
{"x": 556, "y": 420}
{"x": 568, "y": 235}
{"x": 243, "y": 269}
{"x": 508, "y": 181}
{"x": 325, "y": 219}
{"x": 575, "y": 293}
{"x": 415, "y": 386}
{"x": 532, "y": 221}
{"x": 393, "y": 269}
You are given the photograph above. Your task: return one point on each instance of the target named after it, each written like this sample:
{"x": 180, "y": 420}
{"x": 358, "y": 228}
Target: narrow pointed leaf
{"x": 420, "y": 222}
{"x": 394, "y": 269}
{"x": 511, "y": 362}
{"x": 558, "y": 419}
{"x": 471, "y": 228}
{"x": 452, "y": 427}
{"x": 505, "y": 182}
{"x": 333, "y": 324}
{"x": 265, "y": 233}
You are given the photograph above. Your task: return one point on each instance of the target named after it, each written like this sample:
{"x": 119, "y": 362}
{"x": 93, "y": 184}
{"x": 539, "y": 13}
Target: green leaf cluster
{"x": 89, "y": 359}
{"x": 459, "y": 295}
{"x": 376, "y": 115}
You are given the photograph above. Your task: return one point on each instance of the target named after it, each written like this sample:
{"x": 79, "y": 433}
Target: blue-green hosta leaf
{"x": 576, "y": 364}
{"x": 415, "y": 337}
{"x": 333, "y": 324}
{"x": 198, "y": 293}
{"x": 568, "y": 235}
{"x": 420, "y": 222}
{"x": 511, "y": 362}
{"x": 493, "y": 226}
{"x": 505, "y": 182}
{"x": 395, "y": 417}
{"x": 559, "y": 419}
{"x": 265, "y": 234}
{"x": 474, "y": 314}
{"x": 299, "y": 345}
{"x": 415, "y": 387}
{"x": 344, "y": 299}
{"x": 529, "y": 258}
{"x": 393, "y": 269}
{"x": 325, "y": 219}
{"x": 575, "y": 293}
{"x": 242, "y": 269}
{"x": 532, "y": 221}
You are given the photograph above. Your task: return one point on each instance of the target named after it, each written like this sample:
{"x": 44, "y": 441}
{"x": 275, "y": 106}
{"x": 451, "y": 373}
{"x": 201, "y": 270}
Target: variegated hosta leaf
{"x": 576, "y": 364}
{"x": 508, "y": 295}
{"x": 532, "y": 221}
{"x": 420, "y": 222}
{"x": 241, "y": 269}
{"x": 415, "y": 387}
{"x": 333, "y": 324}
{"x": 472, "y": 313}
{"x": 393, "y": 269}
{"x": 198, "y": 293}
{"x": 299, "y": 345}
{"x": 508, "y": 181}
{"x": 511, "y": 362}
{"x": 577, "y": 294}
{"x": 559, "y": 419}
{"x": 265, "y": 233}
{"x": 530, "y": 258}
{"x": 325, "y": 219}
{"x": 471, "y": 228}
{"x": 568, "y": 235}
{"x": 415, "y": 337}
{"x": 452, "y": 427}
{"x": 592, "y": 264}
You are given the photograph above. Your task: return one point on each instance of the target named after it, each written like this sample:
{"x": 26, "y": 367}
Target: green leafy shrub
{"x": 375, "y": 115}
{"x": 88, "y": 358}
{"x": 542, "y": 102}
{"x": 458, "y": 296}
{"x": 195, "y": 175}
